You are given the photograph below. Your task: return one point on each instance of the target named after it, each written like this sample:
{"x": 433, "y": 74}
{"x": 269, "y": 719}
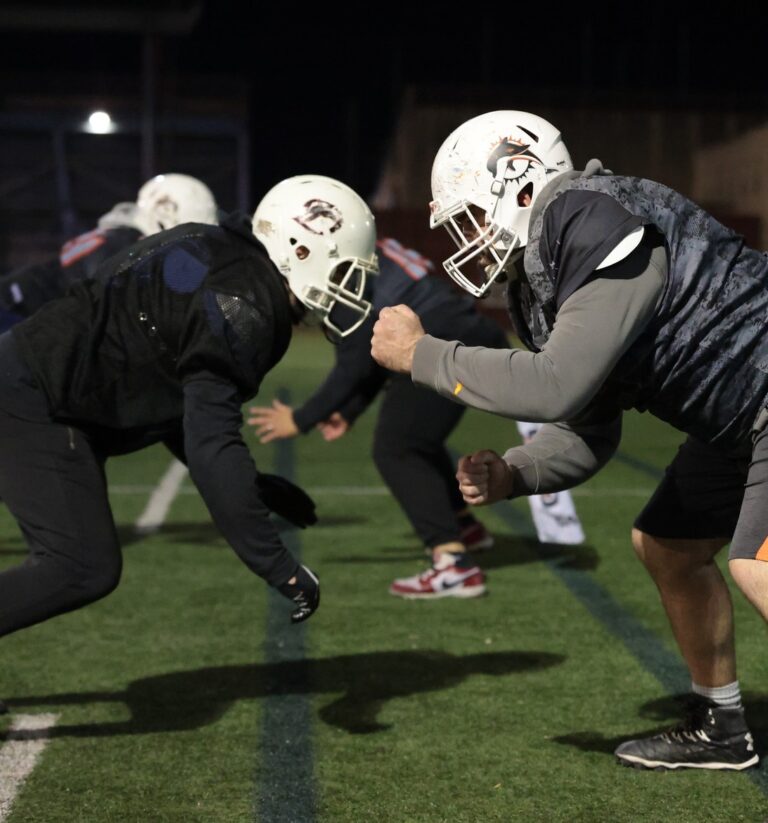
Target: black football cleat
{"x": 710, "y": 737}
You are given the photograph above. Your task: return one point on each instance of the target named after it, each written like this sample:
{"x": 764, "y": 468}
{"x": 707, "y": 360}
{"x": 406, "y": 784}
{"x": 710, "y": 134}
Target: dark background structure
{"x": 243, "y": 94}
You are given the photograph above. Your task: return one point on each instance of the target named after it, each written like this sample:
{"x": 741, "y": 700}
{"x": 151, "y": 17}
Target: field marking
{"x": 285, "y": 784}
{"x": 160, "y": 500}
{"x": 26, "y": 738}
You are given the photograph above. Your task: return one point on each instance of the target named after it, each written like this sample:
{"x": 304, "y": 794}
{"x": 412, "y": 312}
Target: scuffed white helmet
{"x": 322, "y": 237}
{"x": 497, "y": 163}
{"x": 168, "y": 200}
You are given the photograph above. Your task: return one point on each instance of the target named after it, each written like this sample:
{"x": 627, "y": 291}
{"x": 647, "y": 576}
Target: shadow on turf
{"x": 508, "y": 551}
{"x": 670, "y": 710}
{"x": 206, "y": 534}
{"x": 186, "y": 700}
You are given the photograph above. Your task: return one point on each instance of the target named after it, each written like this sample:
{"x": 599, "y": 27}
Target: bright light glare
{"x": 100, "y": 122}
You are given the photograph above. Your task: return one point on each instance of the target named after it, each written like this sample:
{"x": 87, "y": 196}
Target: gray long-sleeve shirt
{"x": 594, "y": 328}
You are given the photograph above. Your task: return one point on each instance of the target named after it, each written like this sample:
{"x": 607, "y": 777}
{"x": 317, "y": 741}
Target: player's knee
{"x": 100, "y": 580}
{"x": 671, "y": 558}
{"x": 387, "y": 454}
{"x": 646, "y": 547}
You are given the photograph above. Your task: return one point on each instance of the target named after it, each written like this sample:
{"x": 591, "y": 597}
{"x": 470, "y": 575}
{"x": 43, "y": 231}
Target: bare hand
{"x": 484, "y": 477}
{"x": 334, "y": 427}
{"x": 395, "y": 335}
{"x": 273, "y": 423}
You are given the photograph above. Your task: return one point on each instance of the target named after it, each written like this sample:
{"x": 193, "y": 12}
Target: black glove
{"x": 287, "y": 499}
{"x": 305, "y": 593}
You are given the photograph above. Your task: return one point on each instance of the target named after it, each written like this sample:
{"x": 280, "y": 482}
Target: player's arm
{"x": 593, "y": 329}
{"x": 350, "y": 386}
{"x": 348, "y": 389}
{"x": 222, "y": 468}
{"x": 560, "y": 456}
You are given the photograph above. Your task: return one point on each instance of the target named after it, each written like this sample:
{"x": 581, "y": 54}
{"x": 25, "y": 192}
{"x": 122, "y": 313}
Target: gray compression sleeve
{"x": 593, "y": 328}
{"x": 562, "y": 455}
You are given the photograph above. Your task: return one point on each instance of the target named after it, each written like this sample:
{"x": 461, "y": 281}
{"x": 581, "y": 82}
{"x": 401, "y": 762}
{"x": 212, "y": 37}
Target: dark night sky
{"x": 323, "y": 77}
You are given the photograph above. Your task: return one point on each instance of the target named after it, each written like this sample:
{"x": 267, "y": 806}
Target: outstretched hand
{"x": 395, "y": 335}
{"x": 484, "y": 477}
{"x": 273, "y": 423}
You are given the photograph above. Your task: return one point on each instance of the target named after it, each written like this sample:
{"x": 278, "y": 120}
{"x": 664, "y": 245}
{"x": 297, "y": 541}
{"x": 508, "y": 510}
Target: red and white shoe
{"x": 444, "y": 579}
{"x": 476, "y": 537}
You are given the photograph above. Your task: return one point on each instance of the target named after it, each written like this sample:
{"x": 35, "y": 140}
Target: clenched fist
{"x": 484, "y": 477}
{"x": 395, "y": 335}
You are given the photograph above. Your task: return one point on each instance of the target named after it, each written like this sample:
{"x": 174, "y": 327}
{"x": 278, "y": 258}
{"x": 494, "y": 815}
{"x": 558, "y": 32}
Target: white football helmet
{"x": 497, "y": 163}
{"x": 322, "y": 237}
{"x": 168, "y": 200}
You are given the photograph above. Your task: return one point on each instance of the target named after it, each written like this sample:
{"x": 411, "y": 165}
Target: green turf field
{"x": 186, "y": 695}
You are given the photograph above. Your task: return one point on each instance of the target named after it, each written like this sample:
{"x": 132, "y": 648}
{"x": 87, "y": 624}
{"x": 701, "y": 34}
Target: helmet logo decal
{"x": 320, "y": 217}
{"x": 167, "y": 203}
{"x": 513, "y": 150}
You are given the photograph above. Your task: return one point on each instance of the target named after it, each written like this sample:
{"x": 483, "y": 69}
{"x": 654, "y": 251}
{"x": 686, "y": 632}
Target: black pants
{"x": 409, "y": 451}
{"x": 54, "y": 485}
{"x": 409, "y": 443}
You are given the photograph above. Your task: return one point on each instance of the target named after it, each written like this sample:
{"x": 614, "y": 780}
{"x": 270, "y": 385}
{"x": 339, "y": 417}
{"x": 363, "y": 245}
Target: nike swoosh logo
{"x": 451, "y": 584}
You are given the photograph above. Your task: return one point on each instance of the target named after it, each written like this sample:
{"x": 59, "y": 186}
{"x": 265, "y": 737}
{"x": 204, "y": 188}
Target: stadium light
{"x": 99, "y": 122}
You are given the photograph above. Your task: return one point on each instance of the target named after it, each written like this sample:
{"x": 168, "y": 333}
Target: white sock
{"x": 729, "y": 697}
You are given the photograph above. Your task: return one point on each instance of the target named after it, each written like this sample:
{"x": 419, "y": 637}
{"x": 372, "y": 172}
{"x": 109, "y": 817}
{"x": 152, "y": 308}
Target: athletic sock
{"x": 446, "y": 559}
{"x": 729, "y": 696}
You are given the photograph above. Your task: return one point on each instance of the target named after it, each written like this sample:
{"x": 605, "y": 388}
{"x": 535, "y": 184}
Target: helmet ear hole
{"x": 525, "y": 196}
{"x": 302, "y": 252}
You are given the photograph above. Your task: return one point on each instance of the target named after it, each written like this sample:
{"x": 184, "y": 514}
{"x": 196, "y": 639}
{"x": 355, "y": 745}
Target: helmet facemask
{"x": 488, "y": 247}
{"x": 341, "y": 305}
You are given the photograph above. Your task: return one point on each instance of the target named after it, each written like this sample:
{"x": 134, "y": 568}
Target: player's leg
{"x": 54, "y": 486}
{"x": 696, "y": 599}
{"x": 748, "y": 558}
{"x": 409, "y": 451}
{"x": 690, "y": 517}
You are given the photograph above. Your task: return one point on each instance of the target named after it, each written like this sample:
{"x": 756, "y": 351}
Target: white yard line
{"x": 160, "y": 500}
{"x": 27, "y": 736}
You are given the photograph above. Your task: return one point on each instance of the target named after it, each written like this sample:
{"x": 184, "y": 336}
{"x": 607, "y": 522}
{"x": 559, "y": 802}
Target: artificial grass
{"x": 504, "y": 708}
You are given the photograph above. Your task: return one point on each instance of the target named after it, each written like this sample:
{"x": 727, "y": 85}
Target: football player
{"x": 180, "y": 327}
{"x": 626, "y": 295}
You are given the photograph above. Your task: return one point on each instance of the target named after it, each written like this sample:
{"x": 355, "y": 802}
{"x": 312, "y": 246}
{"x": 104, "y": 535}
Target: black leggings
{"x": 409, "y": 444}
{"x": 54, "y": 485}
{"x": 409, "y": 451}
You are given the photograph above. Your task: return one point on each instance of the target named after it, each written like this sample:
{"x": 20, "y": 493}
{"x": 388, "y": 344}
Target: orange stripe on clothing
{"x": 762, "y": 552}
{"x": 460, "y": 386}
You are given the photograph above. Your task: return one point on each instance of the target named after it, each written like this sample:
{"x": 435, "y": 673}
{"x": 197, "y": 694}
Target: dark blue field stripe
{"x": 285, "y": 791}
{"x": 666, "y": 666}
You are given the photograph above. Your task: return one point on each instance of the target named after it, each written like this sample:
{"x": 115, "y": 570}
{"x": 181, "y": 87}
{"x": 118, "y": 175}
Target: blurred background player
{"x": 176, "y": 331}
{"x": 163, "y": 202}
{"x": 413, "y": 424}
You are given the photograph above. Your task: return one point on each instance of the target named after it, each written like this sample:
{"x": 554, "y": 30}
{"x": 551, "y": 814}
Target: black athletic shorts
{"x": 710, "y": 493}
